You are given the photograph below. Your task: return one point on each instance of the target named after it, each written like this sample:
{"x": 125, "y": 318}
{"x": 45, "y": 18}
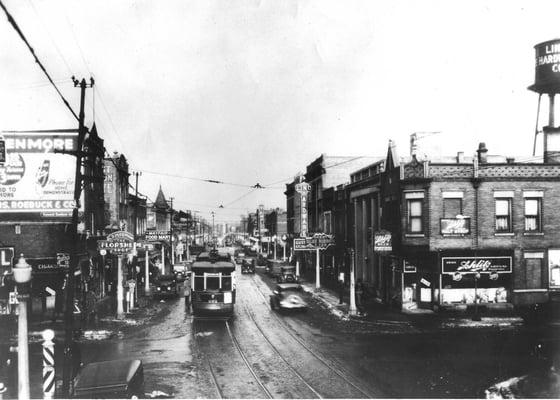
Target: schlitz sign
{"x": 455, "y": 226}
{"x": 465, "y": 265}
{"x": 382, "y": 242}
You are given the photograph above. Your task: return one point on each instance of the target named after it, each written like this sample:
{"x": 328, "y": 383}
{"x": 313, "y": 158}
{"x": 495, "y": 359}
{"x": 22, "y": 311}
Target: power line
{"x": 22, "y": 36}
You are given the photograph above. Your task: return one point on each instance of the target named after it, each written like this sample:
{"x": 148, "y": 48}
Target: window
{"x": 327, "y": 222}
{"x": 414, "y": 213}
{"x": 503, "y": 215}
{"x": 534, "y": 273}
{"x": 452, "y": 207}
{"x": 533, "y": 215}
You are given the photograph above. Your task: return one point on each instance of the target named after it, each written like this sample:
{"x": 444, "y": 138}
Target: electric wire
{"x": 14, "y": 24}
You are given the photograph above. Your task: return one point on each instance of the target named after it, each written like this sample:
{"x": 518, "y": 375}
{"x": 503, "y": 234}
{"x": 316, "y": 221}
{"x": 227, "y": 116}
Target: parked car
{"x": 248, "y": 266}
{"x": 115, "y": 379}
{"x": 166, "y": 286}
{"x": 287, "y": 274}
{"x": 288, "y": 296}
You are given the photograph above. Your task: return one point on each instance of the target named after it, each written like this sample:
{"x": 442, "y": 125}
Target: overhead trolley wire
{"x": 22, "y": 36}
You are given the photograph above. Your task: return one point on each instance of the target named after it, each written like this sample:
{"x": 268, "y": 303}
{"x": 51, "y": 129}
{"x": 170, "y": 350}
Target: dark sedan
{"x": 166, "y": 286}
{"x": 288, "y": 296}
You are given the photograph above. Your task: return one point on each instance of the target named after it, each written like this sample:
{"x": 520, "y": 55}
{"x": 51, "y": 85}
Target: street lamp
{"x": 476, "y": 316}
{"x": 22, "y": 276}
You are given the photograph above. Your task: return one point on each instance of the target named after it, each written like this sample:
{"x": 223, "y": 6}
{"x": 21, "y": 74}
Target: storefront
{"x": 466, "y": 277}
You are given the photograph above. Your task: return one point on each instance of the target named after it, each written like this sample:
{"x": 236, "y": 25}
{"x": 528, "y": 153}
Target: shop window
{"x": 503, "y": 215}
{"x": 414, "y": 216}
{"x": 533, "y": 215}
{"x": 452, "y": 207}
{"x": 533, "y": 273}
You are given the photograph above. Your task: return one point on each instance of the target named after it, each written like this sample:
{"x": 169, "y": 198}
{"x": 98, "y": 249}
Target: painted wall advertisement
{"x": 34, "y": 180}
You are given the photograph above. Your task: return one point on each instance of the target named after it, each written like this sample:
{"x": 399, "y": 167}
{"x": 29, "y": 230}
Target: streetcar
{"x": 213, "y": 284}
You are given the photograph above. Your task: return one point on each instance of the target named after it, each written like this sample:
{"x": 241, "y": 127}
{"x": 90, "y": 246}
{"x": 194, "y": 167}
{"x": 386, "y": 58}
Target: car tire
{"x": 272, "y": 304}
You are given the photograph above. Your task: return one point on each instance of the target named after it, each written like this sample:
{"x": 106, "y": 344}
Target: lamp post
{"x": 22, "y": 276}
{"x": 476, "y": 316}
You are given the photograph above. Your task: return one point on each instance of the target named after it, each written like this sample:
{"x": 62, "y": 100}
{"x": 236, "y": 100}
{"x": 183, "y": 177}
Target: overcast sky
{"x": 250, "y": 92}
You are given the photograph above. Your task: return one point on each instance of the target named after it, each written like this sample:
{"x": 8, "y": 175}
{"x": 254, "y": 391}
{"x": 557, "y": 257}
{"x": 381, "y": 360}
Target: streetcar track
{"x": 238, "y": 347}
{"x": 215, "y": 380}
{"x": 281, "y": 356}
{"x": 328, "y": 364}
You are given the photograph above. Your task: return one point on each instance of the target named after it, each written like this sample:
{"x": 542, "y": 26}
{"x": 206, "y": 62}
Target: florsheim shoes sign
{"x": 34, "y": 181}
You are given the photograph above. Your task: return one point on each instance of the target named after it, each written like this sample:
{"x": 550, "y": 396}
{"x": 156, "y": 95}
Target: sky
{"x": 247, "y": 92}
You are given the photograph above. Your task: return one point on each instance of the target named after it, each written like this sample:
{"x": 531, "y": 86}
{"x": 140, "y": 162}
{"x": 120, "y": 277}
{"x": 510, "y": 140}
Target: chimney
{"x": 460, "y": 157}
{"x": 551, "y": 144}
{"x": 482, "y": 153}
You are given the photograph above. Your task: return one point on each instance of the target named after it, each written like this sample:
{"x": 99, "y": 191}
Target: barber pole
{"x": 48, "y": 364}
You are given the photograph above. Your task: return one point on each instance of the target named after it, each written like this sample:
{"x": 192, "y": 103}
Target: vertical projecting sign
{"x": 303, "y": 189}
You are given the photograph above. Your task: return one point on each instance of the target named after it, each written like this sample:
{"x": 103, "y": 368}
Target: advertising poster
{"x": 34, "y": 180}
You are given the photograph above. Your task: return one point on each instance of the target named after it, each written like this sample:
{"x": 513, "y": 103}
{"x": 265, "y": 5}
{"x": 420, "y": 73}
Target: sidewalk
{"x": 382, "y": 314}
{"x": 105, "y": 325}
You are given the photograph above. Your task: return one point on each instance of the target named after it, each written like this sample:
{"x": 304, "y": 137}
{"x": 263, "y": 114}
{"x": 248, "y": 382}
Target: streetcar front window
{"x": 199, "y": 283}
{"x": 212, "y": 283}
{"x": 226, "y": 283}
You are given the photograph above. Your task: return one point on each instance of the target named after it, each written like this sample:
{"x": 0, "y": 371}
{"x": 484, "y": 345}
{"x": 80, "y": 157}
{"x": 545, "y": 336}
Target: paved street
{"x": 261, "y": 353}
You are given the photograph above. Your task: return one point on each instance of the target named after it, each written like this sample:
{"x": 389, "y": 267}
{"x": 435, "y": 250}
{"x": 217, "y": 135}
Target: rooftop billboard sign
{"x": 34, "y": 181}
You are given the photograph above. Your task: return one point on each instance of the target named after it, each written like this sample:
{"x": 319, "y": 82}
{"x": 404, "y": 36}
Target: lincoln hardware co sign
{"x": 319, "y": 241}
{"x": 465, "y": 265}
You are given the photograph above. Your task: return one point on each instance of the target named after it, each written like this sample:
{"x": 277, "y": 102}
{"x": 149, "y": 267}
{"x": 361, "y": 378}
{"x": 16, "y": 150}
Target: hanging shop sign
{"x": 382, "y": 242}
{"x": 6, "y": 260}
{"x": 63, "y": 260}
{"x": 117, "y": 243}
{"x": 34, "y": 179}
{"x": 158, "y": 236}
{"x": 408, "y": 268}
{"x": 492, "y": 265}
{"x": 320, "y": 241}
{"x": 455, "y": 226}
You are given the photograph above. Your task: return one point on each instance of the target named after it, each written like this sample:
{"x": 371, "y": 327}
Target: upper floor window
{"x": 533, "y": 212}
{"x": 414, "y": 212}
{"x": 452, "y": 204}
{"x": 414, "y": 221}
{"x": 503, "y": 215}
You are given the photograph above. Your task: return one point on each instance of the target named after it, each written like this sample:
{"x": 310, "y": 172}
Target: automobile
{"x": 166, "y": 286}
{"x": 116, "y": 379}
{"x": 288, "y": 296}
{"x": 287, "y": 274}
{"x": 261, "y": 260}
{"x": 248, "y": 266}
{"x": 239, "y": 255}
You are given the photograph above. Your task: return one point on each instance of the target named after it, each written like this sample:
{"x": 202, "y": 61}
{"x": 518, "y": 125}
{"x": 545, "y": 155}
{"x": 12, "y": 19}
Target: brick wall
{"x": 36, "y": 240}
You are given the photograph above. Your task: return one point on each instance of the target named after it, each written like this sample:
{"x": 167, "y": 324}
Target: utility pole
{"x": 171, "y": 235}
{"x": 69, "y": 311}
{"x": 213, "y": 228}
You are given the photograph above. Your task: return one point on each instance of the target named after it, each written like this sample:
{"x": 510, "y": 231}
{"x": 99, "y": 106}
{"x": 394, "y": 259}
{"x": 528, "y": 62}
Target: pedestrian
{"x": 359, "y": 295}
{"x": 58, "y": 302}
{"x": 187, "y": 284}
{"x": 341, "y": 289}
